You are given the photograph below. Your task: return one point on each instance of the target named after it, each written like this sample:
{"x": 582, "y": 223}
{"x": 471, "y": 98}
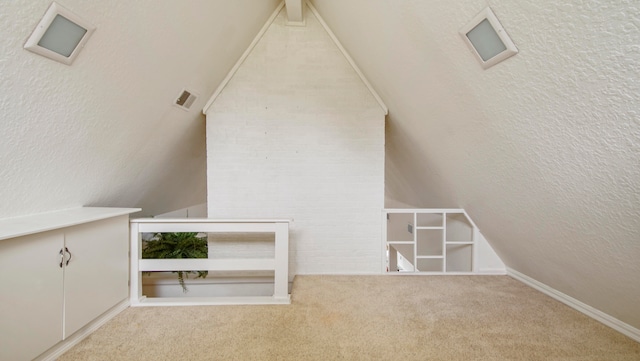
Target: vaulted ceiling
{"x": 104, "y": 131}
{"x": 542, "y": 150}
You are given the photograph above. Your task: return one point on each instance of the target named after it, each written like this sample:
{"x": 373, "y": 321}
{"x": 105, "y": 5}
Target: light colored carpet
{"x": 367, "y": 318}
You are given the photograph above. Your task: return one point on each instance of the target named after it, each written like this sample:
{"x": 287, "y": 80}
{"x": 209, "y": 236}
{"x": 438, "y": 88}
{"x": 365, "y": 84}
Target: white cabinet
{"x": 31, "y": 295}
{"x": 97, "y": 275}
{"x": 59, "y": 272}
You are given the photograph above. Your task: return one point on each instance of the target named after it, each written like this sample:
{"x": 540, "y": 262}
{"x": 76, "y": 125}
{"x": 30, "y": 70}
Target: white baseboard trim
{"x": 63, "y": 346}
{"x": 596, "y": 314}
{"x": 492, "y": 271}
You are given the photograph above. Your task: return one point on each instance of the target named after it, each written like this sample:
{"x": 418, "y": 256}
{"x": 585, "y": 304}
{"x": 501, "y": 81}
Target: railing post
{"x": 135, "y": 279}
{"x": 281, "y": 273}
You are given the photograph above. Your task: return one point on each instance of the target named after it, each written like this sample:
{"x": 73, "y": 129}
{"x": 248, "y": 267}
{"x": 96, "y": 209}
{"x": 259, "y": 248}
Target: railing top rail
{"x": 207, "y": 220}
{"x": 424, "y": 210}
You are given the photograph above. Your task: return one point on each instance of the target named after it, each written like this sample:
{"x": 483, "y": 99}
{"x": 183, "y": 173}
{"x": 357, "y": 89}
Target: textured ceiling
{"x": 103, "y": 131}
{"x": 542, "y": 150}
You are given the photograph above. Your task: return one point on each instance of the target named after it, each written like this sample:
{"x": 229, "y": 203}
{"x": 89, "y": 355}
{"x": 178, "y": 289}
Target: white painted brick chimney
{"x": 296, "y": 134}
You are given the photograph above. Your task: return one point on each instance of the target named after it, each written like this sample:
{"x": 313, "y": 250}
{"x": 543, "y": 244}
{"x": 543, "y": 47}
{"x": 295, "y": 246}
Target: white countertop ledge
{"x": 42, "y": 222}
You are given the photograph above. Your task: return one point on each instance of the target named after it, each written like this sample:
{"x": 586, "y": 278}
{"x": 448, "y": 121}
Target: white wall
{"x": 541, "y": 150}
{"x": 195, "y": 211}
{"x": 295, "y": 134}
{"x": 488, "y": 260}
{"x": 103, "y": 131}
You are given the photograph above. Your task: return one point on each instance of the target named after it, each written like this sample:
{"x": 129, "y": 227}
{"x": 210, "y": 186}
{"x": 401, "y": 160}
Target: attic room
{"x": 333, "y": 118}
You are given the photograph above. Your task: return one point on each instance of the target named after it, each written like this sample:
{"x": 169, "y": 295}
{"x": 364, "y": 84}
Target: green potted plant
{"x": 177, "y": 245}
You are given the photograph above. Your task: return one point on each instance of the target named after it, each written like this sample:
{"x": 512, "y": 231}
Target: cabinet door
{"x": 30, "y": 295}
{"x": 97, "y": 275}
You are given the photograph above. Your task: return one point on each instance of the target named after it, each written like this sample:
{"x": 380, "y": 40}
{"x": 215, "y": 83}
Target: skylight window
{"x": 60, "y": 35}
{"x": 487, "y": 39}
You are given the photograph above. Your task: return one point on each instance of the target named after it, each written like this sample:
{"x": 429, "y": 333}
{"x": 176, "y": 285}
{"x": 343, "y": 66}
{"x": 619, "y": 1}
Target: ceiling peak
{"x": 295, "y": 14}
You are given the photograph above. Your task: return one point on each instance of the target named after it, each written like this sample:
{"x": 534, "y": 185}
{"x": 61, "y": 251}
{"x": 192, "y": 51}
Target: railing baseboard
{"x": 211, "y": 301}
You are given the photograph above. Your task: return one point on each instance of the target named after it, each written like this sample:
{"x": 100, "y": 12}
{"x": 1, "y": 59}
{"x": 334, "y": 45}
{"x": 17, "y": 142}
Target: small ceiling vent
{"x": 186, "y": 99}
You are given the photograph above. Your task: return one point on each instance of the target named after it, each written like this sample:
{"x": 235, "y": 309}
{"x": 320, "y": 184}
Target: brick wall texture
{"x": 296, "y": 134}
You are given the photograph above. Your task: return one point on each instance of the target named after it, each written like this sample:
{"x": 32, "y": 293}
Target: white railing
{"x": 279, "y": 264}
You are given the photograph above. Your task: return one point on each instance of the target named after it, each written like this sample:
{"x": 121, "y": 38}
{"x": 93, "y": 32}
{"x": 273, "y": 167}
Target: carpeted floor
{"x": 367, "y": 318}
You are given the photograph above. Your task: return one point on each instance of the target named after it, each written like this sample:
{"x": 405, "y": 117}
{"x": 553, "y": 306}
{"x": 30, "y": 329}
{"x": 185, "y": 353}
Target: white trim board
{"x": 596, "y": 314}
{"x": 491, "y": 272}
{"x": 259, "y": 36}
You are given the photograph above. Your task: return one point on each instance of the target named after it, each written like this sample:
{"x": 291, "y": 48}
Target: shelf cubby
{"x": 459, "y": 257}
{"x": 459, "y": 229}
{"x": 398, "y": 227}
{"x": 429, "y": 220}
{"x": 429, "y": 264}
{"x": 429, "y": 242}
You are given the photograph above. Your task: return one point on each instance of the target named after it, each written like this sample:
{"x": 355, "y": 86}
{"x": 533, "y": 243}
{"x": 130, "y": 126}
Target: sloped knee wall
{"x": 295, "y": 134}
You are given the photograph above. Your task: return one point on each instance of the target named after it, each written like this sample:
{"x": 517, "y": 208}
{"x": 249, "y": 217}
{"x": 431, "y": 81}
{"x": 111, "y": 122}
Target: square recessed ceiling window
{"x": 60, "y": 35}
{"x": 487, "y": 39}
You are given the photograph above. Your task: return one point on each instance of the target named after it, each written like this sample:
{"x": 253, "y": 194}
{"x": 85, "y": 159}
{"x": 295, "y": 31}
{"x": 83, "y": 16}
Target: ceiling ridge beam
{"x": 295, "y": 13}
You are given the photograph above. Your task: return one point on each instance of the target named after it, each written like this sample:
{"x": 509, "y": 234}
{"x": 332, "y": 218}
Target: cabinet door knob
{"x": 70, "y": 255}
{"x": 61, "y": 257}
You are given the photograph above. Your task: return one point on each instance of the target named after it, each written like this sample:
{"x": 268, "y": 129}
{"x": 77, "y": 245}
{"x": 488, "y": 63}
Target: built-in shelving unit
{"x": 429, "y": 240}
